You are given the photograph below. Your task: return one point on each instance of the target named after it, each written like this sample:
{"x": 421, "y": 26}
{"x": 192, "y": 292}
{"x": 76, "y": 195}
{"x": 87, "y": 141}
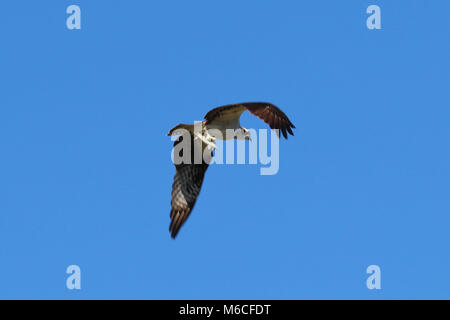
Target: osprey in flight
{"x": 189, "y": 176}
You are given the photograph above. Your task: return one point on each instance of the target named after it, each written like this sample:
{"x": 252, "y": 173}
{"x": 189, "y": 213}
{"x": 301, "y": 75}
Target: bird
{"x": 217, "y": 124}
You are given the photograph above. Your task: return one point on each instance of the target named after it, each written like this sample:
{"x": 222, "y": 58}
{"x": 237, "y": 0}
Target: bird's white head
{"x": 243, "y": 134}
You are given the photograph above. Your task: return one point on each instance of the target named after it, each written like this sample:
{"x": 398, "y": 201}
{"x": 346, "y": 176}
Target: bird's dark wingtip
{"x": 173, "y": 232}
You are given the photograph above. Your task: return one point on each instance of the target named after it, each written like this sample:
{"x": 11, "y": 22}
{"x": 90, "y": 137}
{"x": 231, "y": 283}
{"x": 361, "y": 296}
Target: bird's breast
{"x": 219, "y": 131}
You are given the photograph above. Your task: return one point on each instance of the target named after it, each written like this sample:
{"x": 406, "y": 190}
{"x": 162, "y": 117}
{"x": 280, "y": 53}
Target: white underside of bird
{"x": 209, "y": 133}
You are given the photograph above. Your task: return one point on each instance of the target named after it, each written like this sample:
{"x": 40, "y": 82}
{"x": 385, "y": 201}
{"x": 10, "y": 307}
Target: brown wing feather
{"x": 225, "y": 113}
{"x": 269, "y": 113}
{"x": 186, "y": 187}
{"x": 272, "y": 115}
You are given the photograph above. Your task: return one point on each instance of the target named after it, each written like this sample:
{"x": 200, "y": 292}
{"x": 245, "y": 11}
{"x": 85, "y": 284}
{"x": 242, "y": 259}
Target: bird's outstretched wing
{"x": 186, "y": 187}
{"x": 269, "y": 113}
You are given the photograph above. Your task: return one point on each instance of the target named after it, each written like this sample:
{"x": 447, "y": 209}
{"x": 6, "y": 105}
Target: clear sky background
{"x": 85, "y": 164}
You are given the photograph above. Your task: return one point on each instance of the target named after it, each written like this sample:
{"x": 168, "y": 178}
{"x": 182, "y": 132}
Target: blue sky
{"x": 85, "y": 161}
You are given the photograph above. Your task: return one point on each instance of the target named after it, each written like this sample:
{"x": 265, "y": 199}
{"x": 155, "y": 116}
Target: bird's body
{"x": 228, "y": 120}
{"x": 219, "y": 130}
{"x": 221, "y": 123}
